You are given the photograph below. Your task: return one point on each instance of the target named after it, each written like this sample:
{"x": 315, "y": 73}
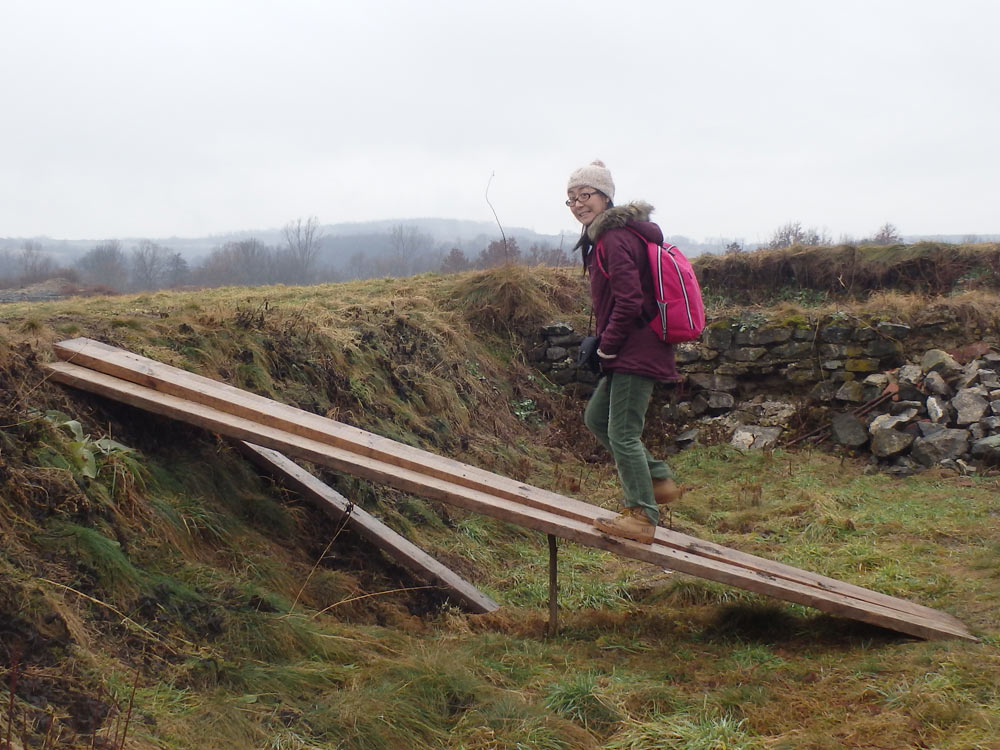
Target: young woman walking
{"x": 631, "y": 355}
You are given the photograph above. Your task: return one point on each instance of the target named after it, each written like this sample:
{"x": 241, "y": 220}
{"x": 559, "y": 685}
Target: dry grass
{"x": 205, "y": 558}
{"x": 848, "y": 272}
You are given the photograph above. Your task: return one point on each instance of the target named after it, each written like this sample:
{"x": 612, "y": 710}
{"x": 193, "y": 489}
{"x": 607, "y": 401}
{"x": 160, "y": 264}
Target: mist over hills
{"x": 469, "y": 236}
{"x": 346, "y": 250}
{"x": 465, "y": 234}
{"x": 345, "y": 246}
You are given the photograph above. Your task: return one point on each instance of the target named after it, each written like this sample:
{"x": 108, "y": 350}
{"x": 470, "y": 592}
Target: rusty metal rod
{"x": 553, "y": 587}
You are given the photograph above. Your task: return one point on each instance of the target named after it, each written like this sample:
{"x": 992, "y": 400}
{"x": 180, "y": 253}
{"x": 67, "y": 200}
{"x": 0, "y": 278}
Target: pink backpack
{"x": 678, "y": 296}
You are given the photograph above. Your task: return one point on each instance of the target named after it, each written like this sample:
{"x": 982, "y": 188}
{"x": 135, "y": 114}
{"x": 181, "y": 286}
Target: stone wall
{"x": 554, "y": 351}
{"x": 748, "y": 376}
{"x": 750, "y": 352}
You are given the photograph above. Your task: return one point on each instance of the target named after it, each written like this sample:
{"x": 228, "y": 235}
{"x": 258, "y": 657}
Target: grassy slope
{"x": 162, "y": 564}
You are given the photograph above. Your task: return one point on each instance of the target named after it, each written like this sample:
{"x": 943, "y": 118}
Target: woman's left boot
{"x": 632, "y": 523}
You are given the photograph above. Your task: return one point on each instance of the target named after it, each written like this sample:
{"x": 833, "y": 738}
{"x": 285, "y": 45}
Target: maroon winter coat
{"x": 625, "y": 302}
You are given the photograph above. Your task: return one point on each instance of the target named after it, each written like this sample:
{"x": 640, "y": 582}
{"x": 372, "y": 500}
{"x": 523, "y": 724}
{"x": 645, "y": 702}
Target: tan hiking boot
{"x": 631, "y": 524}
{"x": 665, "y": 491}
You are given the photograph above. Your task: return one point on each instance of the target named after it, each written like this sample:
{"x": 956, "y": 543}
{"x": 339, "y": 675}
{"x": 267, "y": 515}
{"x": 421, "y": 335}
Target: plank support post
{"x": 553, "y": 588}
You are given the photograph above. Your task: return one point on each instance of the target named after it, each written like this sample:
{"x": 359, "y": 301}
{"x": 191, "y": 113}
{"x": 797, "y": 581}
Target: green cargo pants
{"x": 616, "y": 414}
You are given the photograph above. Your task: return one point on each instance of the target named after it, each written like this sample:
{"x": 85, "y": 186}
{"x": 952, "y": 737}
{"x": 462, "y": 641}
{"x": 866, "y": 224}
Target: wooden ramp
{"x": 169, "y": 391}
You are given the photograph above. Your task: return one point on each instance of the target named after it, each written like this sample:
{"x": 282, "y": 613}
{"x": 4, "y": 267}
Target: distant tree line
{"x": 111, "y": 267}
{"x": 794, "y": 234}
{"x": 501, "y": 252}
{"x": 304, "y": 256}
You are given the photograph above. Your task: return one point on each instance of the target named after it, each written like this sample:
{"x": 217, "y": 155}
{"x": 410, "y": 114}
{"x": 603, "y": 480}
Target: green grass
{"x": 686, "y": 733}
{"x": 99, "y": 559}
{"x": 206, "y": 558}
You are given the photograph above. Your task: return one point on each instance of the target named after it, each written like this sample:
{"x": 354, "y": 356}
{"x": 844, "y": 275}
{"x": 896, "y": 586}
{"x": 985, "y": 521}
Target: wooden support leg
{"x": 553, "y": 588}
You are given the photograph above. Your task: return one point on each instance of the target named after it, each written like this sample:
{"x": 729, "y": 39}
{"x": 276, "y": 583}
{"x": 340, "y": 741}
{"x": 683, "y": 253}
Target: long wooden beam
{"x": 364, "y": 523}
{"x": 505, "y": 509}
{"x": 199, "y": 389}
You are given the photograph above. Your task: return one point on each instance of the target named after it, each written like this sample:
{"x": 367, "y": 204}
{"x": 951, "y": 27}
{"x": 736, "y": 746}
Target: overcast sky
{"x": 155, "y": 118}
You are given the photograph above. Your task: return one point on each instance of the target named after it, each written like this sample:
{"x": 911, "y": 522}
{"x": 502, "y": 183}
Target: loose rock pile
{"x": 939, "y": 412}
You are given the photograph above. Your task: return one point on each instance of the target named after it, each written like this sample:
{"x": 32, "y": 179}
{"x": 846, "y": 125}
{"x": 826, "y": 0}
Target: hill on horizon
{"x": 343, "y": 251}
{"x": 468, "y": 235}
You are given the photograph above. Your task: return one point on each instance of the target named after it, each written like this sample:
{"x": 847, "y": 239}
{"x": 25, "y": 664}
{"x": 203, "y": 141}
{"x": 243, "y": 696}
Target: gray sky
{"x": 152, "y": 118}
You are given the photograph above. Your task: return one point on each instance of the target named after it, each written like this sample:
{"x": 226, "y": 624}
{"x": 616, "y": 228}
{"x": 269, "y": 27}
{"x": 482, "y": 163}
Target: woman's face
{"x": 586, "y": 203}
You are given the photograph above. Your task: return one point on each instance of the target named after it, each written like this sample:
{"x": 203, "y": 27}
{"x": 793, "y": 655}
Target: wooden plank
{"x": 166, "y": 379}
{"x": 498, "y": 507}
{"x": 177, "y": 382}
{"x": 364, "y": 523}
{"x": 715, "y": 551}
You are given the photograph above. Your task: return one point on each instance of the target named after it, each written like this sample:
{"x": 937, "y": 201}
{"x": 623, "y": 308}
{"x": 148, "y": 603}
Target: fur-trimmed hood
{"x": 617, "y": 217}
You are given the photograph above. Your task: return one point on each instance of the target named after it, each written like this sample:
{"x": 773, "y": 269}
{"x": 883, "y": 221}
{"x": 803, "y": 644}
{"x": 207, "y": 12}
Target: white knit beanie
{"x": 594, "y": 175}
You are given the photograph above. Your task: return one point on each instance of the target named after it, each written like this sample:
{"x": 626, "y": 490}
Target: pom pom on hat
{"x": 594, "y": 175}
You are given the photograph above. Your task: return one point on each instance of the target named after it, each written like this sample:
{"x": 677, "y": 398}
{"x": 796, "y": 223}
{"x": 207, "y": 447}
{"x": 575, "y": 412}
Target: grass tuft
{"x": 686, "y": 733}
{"x": 581, "y": 699}
{"x": 97, "y": 557}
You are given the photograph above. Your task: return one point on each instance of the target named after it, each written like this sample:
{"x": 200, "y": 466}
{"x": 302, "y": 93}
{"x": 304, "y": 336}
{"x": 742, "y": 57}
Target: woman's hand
{"x": 602, "y": 355}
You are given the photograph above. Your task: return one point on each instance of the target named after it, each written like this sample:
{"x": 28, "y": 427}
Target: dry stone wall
{"x": 868, "y": 383}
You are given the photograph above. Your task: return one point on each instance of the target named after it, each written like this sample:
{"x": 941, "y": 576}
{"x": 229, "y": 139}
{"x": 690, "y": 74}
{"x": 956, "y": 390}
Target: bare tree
{"x": 34, "y": 264}
{"x": 887, "y": 234}
{"x": 792, "y": 233}
{"x": 361, "y": 265}
{"x": 253, "y": 260}
{"x": 543, "y": 254}
{"x": 302, "y": 242}
{"x": 499, "y": 253}
{"x": 503, "y": 234}
{"x": 217, "y": 268}
{"x": 106, "y": 265}
{"x": 7, "y": 267}
{"x": 455, "y": 261}
{"x": 410, "y": 247}
{"x": 177, "y": 270}
{"x": 149, "y": 265}
{"x": 248, "y": 262}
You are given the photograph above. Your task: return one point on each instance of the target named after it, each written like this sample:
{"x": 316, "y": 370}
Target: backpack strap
{"x": 600, "y": 246}
{"x": 641, "y": 322}
{"x": 597, "y": 258}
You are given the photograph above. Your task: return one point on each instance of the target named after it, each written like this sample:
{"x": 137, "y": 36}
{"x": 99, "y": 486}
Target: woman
{"x": 613, "y": 247}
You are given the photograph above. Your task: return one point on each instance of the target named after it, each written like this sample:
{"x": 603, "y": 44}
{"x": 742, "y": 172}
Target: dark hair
{"x": 585, "y": 244}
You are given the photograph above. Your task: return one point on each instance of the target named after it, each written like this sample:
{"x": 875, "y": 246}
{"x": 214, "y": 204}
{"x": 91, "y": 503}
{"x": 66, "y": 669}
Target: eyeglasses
{"x": 581, "y": 197}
